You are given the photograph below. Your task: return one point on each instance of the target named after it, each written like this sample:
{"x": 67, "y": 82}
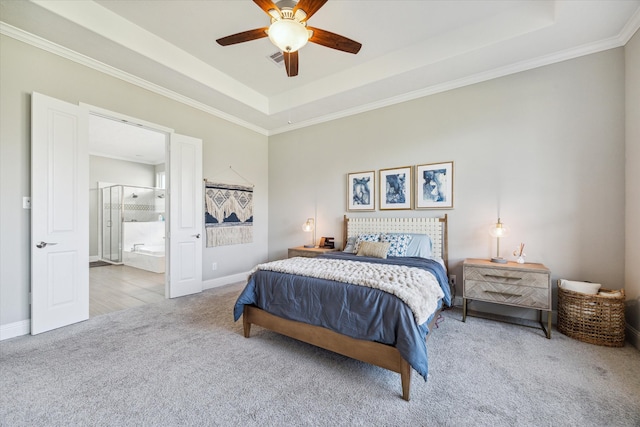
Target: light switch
{"x": 26, "y": 202}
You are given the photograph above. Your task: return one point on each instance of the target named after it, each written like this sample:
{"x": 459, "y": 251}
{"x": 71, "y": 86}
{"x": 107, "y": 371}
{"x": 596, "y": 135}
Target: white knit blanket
{"x": 419, "y": 289}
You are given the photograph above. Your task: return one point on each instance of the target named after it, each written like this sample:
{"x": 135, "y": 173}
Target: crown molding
{"x": 611, "y": 43}
{"x": 48, "y": 46}
{"x": 630, "y": 28}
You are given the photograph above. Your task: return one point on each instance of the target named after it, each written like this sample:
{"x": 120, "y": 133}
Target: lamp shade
{"x": 499, "y": 229}
{"x": 288, "y": 34}
{"x": 310, "y": 226}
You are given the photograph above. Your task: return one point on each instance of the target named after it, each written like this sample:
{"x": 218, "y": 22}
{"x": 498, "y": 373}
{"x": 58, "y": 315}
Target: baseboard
{"x": 633, "y": 336}
{"x": 23, "y": 327}
{"x": 226, "y": 280}
{"x": 94, "y": 258}
{"x": 15, "y": 329}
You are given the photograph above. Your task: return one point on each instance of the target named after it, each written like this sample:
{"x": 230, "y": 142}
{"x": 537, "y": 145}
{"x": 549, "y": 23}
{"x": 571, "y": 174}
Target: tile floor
{"x": 117, "y": 287}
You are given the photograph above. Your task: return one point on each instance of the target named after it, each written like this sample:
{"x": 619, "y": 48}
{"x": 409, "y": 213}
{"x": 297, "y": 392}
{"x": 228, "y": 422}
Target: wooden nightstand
{"x": 309, "y": 252}
{"x": 521, "y": 285}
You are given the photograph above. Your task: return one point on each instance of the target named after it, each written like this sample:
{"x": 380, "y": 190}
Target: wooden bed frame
{"x": 382, "y": 355}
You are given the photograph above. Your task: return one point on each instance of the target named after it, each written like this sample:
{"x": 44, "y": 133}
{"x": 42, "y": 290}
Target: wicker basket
{"x": 593, "y": 319}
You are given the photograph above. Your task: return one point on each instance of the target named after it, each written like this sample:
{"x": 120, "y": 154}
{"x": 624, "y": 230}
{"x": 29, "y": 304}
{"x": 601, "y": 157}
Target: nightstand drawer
{"x": 507, "y": 277}
{"x": 504, "y": 293}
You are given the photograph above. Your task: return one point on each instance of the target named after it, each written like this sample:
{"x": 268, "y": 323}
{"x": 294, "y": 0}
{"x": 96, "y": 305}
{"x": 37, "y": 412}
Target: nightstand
{"x": 520, "y": 285}
{"x": 309, "y": 252}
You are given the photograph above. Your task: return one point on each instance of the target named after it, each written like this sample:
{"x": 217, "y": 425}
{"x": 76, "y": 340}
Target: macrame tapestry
{"x": 228, "y": 214}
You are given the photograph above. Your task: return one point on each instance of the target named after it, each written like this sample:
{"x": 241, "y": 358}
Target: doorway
{"x": 60, "y": 212}
{"x": 127, "y": 214}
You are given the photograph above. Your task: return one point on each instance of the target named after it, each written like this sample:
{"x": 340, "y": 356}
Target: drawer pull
{"x": 506, "y": 294}
{"x": 495, "y": 276}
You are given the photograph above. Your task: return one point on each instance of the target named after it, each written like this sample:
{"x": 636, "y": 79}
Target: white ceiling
{"x": 410, "y": 49}
{"x": 122, "y": 140}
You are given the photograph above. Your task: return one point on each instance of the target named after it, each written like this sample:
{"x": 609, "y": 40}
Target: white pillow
{"x": 420, "y": 246}
{"x": 351, "y": 244}
{"x": 581, "y": 287}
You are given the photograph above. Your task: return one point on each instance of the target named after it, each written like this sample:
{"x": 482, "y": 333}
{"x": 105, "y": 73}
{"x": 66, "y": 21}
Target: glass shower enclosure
{"x": 126, "y": 203}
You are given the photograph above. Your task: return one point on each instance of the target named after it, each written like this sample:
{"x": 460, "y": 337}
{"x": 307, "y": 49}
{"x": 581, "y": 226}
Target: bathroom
{"x": 126, "y": 215}
{"x": 133, "y": 227}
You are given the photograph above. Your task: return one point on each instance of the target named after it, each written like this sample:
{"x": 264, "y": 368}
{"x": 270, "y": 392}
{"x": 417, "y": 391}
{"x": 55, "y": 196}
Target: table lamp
{"x": 498, "y": 230}
{"x": 310, "y": 226}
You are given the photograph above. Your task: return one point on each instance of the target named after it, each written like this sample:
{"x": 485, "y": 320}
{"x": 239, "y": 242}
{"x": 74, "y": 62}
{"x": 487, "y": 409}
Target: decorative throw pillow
{"x": 351, "y": 244}
{"x": 420, "y": 246}
{"x": 399, "y": 243}
{"x": 365, "y": 238}
{"x": 374, "y": 249}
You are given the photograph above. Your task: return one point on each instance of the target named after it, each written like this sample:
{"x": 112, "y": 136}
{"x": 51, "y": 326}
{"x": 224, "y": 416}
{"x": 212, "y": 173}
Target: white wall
{"x": 26, "y": 69}
{"x": 632, "y": 235}
{"x": 545, "y": 147}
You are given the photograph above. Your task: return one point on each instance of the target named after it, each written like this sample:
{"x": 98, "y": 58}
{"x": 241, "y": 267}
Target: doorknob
{"x": 43, "y": 244}
{"x": 197, "y": 236}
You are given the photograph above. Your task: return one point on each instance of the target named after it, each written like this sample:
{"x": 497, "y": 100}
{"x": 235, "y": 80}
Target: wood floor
{"x": 117, "y": 287}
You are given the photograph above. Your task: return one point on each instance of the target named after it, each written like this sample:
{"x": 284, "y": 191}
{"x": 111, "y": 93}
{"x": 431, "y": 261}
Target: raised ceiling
{"x": 410, "y": 49}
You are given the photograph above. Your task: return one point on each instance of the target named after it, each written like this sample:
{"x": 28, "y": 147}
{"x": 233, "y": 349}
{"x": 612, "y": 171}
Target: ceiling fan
{"x": 289, "y": 31}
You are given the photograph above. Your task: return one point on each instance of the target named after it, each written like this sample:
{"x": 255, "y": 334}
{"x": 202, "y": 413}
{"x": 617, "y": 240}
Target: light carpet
{"x": 185, "y": 362}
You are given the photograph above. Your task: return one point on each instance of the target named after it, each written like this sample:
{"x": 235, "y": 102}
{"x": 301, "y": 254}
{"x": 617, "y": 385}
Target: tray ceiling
{"x": 410, "y": 49}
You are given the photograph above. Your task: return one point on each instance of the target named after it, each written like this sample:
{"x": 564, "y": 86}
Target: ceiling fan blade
{"x": 244, "y": 36}
{"x": 291, "y": 63}
{"x": 267, "y": 5}
{"x": 309, "y": 6}
{"x": 334, "y": 41}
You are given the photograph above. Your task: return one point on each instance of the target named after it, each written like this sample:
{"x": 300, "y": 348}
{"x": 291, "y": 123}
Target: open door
{"x": 59, "y": 214}
{"x": 185, "y": 216}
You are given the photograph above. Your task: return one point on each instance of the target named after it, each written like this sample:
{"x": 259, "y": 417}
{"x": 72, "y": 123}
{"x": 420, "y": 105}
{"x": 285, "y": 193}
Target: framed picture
{"x": 361, "y": 192}
{"x": 434, "y": 186}
{"x": 395, "y": 188}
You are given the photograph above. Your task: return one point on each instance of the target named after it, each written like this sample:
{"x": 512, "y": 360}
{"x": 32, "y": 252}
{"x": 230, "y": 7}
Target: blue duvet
{"x": 352, "y": 310}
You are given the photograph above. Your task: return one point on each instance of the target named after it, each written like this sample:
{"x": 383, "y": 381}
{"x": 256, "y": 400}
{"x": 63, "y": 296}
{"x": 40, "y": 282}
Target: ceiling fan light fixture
{"x": 288, "y": 34}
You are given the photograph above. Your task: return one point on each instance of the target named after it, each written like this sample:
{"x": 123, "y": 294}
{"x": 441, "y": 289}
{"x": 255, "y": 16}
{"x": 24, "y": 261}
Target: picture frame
{"x": 395, "y": 188}
{"x": 434, "y": 186}
{"x": 361, "y": 194}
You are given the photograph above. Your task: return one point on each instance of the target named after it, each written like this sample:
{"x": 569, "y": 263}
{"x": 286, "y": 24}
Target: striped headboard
{"x": 434, "y": 227}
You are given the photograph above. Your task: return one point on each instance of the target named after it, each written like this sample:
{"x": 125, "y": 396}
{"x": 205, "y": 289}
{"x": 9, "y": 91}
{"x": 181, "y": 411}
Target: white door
{"x": 59, "y": 214}
{"x": 185, "y": 216}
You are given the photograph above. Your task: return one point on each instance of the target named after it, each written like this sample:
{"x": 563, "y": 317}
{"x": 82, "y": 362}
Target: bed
{"x": 375, "y": 309}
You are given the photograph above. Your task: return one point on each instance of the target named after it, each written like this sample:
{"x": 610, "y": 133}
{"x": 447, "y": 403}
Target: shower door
{"x": 112, "y": 224}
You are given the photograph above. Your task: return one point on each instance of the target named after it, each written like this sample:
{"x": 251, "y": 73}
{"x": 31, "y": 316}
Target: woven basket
{"x": 592, "y": 319}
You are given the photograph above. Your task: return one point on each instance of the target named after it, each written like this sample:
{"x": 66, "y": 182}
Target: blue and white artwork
{"x": 361, "y": 191}
{"x": 434, "y": 186}
{"x": 395, "y": 191}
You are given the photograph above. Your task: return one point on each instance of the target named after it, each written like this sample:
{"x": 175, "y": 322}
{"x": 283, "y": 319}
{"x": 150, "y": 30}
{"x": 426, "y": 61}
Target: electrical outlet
{"x": 452, "y": 280}
{"x": 214, "y": 266}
